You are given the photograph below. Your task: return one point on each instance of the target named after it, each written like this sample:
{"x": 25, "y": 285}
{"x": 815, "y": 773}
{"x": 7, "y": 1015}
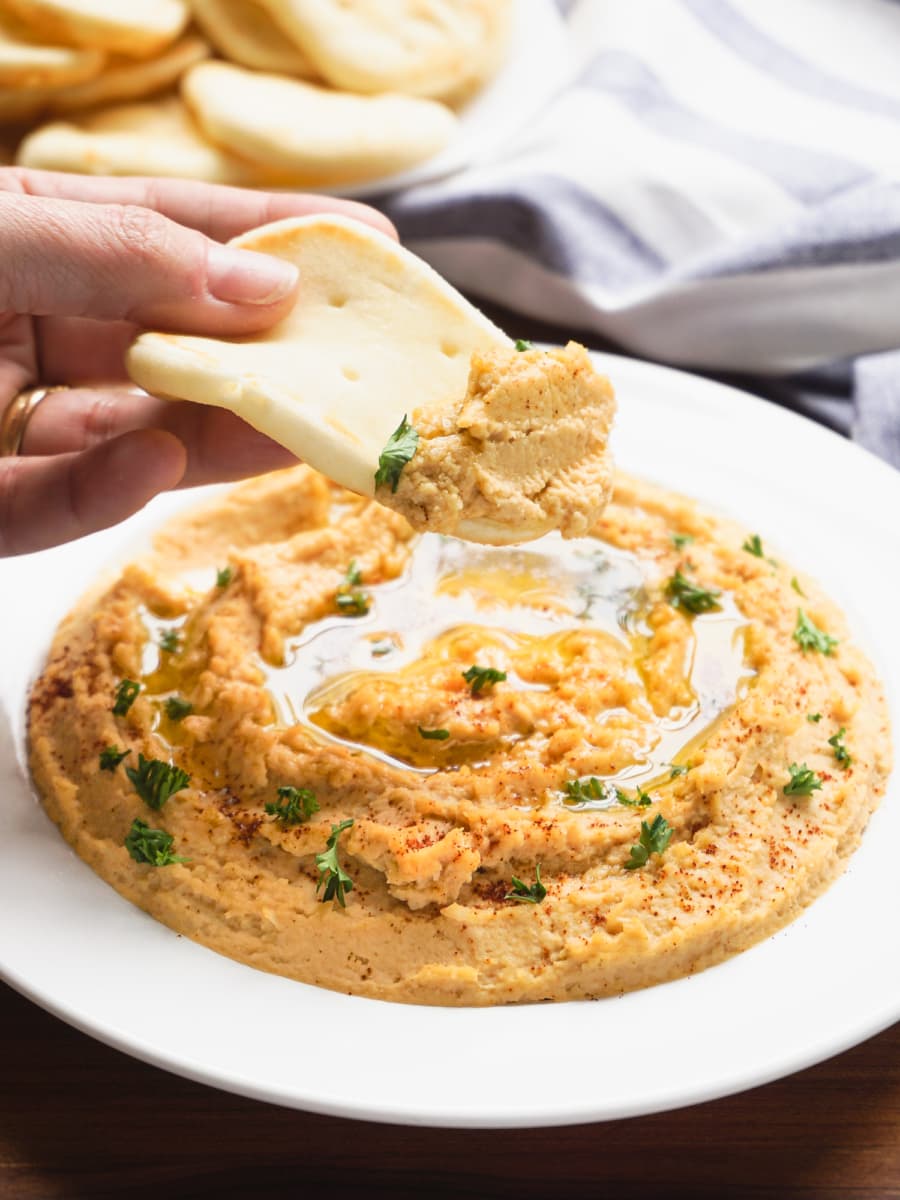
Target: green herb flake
{"x": 482, "y": 677}
{"x": 156, "y": 781}
{"x": 753, "y": 545}
{"x": 814, "y": 718}
{"x": 111, "y": 756}
{"x": 433, "y": 735}
{"x": 382, "y": 646}
{"x": 524, "y": 344}
{"x": 591, "y": 788}
{"x": 350, "y": 598}
{"x": 679, "y": 769}
{"x": 224, "y": 576}
{"x": 803, "y": 781}
{"x": 654, "y": 840}
{"x": 177, "y": 709}
{"x": 796, "y": 586}
{"x": 526, "y": 894}
{"x": 126, "y": 694}
{"x": 152, "y": 846}
{"x": 809, "y": 636}
{"x": 680, "y": 540}
{"x": 169, "y": 641}
{"x": 294, "y": 805}
{"x": 686, "y": 595}
{"x": 400, "y": 448}
{"x": 641, "y": 799}
{"x": 841, "y": 753}
{"x": 331, "y": 873}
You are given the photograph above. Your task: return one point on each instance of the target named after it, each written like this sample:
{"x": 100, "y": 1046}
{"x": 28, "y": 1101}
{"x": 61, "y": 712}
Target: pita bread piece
{"x": 437, "y": 48}
{"x": 135, "y": 28}
{"x": 25, "y": 63}
{"x": 377, "y": 346}
{"x": 136, "y": 139}
{"x": 125, "y": 79}
{"x": 244, "y": 32}
{"x": 312, "y": 134}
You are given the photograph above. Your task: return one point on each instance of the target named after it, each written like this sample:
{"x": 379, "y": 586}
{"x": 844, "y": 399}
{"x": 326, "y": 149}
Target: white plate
{"x": 536, "y": 67}
{"x": 826, "y": 982}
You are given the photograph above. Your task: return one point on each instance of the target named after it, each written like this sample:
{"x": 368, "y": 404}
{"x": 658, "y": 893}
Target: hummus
{"x": 550, "y": 772}
{"x": 523, "y": 452}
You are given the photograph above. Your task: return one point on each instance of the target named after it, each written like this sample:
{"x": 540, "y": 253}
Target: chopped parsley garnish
{"x": 156, "y": 781}
{"x": 383, "y": 646}
{"x": 680, "y": 540}
{"x": 693, "y": 599}
{"x": 641, "y": 799}
{"x": 482, "y": 677}
{"x": 797, "y": 588}
{"x": 350, "y": 598}
{"x": 679, "y": 769}
{"x": 177, "y": 709}
{"x": 526, "y": 894}
{"x": 331, "y": 873}
{"x": 169, "y": 641}
{"x": 654, "y": 840}
{"x": 224, "y": 576}
{"x": 433, "y": 735}
{"x": 294, "y": 805}
{"x": 126, "y": 694}
{"x": 592, "y": 788}
{"x": 841, "y": 753}
{"x": 153, "y": 846}
{"x": 111, "y": 756}
{"x": 803, "y": 781}
{"x": 753, "y": 545}
{"x": 524, "y": 344}
{"x": 809, "y": 636}
{"x": 400, "y": 448}
{"x": 814, "y": 718}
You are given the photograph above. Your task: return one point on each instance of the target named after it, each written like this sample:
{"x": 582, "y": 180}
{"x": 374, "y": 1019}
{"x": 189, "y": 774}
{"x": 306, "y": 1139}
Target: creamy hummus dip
{"x": 415, "y": 769}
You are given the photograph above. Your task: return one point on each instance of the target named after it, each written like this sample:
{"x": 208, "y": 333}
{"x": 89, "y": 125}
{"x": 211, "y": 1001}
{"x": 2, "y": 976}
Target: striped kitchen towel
{"x": 717, "y": 186}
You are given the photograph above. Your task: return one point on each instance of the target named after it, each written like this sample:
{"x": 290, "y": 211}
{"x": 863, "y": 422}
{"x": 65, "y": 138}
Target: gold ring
{"x": 16, "y": 417}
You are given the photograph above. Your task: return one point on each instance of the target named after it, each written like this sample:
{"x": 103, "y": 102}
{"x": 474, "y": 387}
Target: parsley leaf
{"x": 482, "y": 677}
{"x": 797, "y": 588}
{"x": 169, "y": 641}
{"x": 641, "y": 799}
{"x": 809, "y": 636}
{"x": 433, "y": 735}
{"x": 803, "y": 781}
{"x": 156, "y": 781}
{"x": 525, "y": 894}
{"x": 224, "y": 576}
{"x": 177, "y": 709}
{"x": 654, "y": 840}
{"x": 153, "y": 846}
{"x": 350, "y": 598}
{"x": 294, "y": 806}
{"x": 337, "y": 881}
{"x": 814, "y": 718}
{"x": 679, "y": 769}
{"x": 684, "y": 594}
{"x": 383, "y": 646}
{"x": 524, "y": 344}
{"x": 126, "y": 694}
{"x": 400, "y": 448}
{"x": 592, "y": 788}
{"x": 753, "y": 545}
{"x": 680, "y": 540}
{"x": 111, "y": 756}
{"x": 841, "y": 753}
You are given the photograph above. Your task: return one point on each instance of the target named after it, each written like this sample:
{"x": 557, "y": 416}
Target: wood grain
{"x": 79, "y": 1120}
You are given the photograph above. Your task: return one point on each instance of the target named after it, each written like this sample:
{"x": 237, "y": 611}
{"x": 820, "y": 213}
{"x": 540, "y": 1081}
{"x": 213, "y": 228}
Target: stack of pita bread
{"x": 291, "y": 93}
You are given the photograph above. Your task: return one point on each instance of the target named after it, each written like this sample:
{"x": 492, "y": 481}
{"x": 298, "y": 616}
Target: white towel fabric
{"x": 717, "y": 187}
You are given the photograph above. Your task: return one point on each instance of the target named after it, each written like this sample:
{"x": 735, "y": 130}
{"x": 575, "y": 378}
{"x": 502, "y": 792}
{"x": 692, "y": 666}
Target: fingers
{"x": 67, "y": 258}
{"x": 46, "y": 501}
{"x": 219, "y": 212}
{"x": 220, "y": 447}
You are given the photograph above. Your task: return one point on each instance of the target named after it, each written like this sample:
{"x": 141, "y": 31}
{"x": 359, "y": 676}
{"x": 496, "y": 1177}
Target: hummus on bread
{"x": 420, "y": 770}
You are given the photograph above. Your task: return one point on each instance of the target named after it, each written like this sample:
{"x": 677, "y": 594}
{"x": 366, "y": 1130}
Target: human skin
{"x": 84, "y": 264}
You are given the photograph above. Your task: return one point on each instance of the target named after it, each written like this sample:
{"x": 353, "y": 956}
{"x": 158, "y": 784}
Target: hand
{"x": 84, "y": 263}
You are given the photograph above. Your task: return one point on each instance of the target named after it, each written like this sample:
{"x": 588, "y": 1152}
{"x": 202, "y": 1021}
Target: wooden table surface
{"x": 78, "y": 1119}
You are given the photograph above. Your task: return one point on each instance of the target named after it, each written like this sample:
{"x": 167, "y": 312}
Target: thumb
{"x": 115, "y": 262}
{"x": 46, "y": 501}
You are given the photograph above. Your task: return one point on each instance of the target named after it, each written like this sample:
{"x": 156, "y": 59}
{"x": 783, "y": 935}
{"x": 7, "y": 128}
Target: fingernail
{"x": 245, "y": 277}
